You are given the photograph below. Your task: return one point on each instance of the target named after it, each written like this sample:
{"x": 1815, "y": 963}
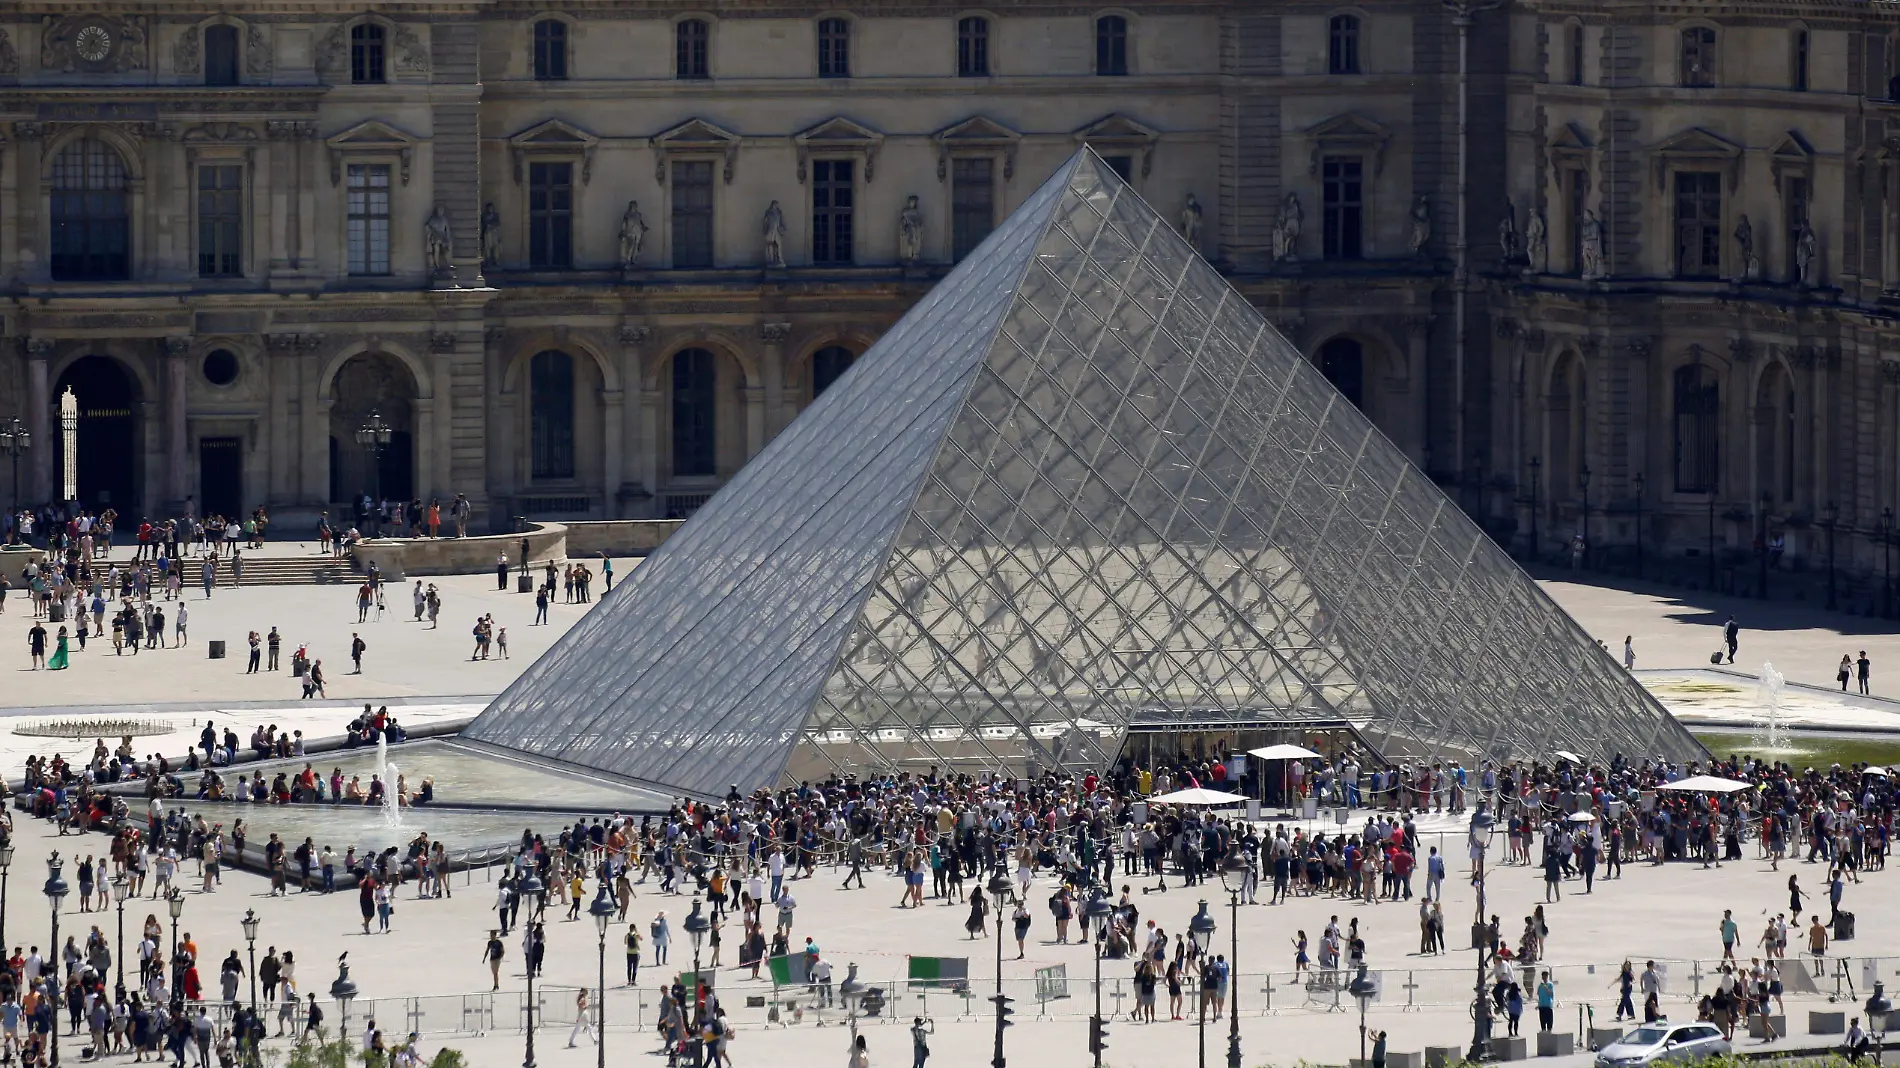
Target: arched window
{"x": 973, "y": 47}
{"x": 1776, "y": 433}
{"x": 366, "y": 53}
{"x": 1342, "y": 44}
{"x": 550, "y": 50}
{"x": 551, "y": 413}
{"x": 221, "y": 55}
{"x": 1798, "y": 62}
{"x": 91, "y": 231}
{"x": 1111, "y": 45}
{"x": 1698, "y": 57}
{"x": 834, "y": 48}
{"x": 1698, "y": 421}
{"x": 1567, "y": 425}
{"x": 695, "y": 398}
{"x": 690, "y": 51}
{"x": 827, "y": 366}
{"x": 1343, "y": 361}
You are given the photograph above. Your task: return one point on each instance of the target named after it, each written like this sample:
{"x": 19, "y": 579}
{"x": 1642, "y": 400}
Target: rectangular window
{"x": 550, "y": 50}
{"x": 1343, "y": 197}
{"x": 368, "y": 216}
{"x": 1574, "y": 35}
{"x": 1111, "y": 45}
{"x": 1577, "y": 199}
{"x": 973, "y": 47}
{"x": 693, "y": 213}
{"x": 1795, "y": 206}
{"x": 221, "y": 55}
{"x": 689, "y": 39}
{"x": 1698, "y": 224}
{"x": 1121, "y": 165}
{"x": 220, "y": 221}
{"x": 1799, "y": 74}
{"x": 366, "y": 53}
{"x": 972, "y": 203}
{"x": 831, "y": 205}
{"x": 550, "y": 215}
{"x": 834, "y": 48}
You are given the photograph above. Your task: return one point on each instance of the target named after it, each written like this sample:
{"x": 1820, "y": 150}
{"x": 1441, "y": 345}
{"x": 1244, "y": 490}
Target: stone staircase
{"x": 282, "y": 571}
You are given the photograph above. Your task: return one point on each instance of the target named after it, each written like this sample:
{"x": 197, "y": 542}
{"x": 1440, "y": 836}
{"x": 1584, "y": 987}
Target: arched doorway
{"x": 695, "y": 413}
{"x": 373, "y": 382}
{"x": 110, "y": 451}
{"x": 1776, "y": 434}
{"x": 1566, "y": 419}
{"x": 828, "y": 365}
{"x": 551, "y": 415}
{"x": 1343, "y": 361}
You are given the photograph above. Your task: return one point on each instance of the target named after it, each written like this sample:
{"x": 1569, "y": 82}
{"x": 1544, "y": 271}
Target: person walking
{"x": 1629, "y": 652}
{"x": 357, "y": 645}
{"x": 583, "y": 1019}
{"x": 633, "y": 954}
{"x": 1731, "y": 636}
{"x": 36, "y": 645}
{"x": 1864, "y": 669}
{"x": 493, "y": 955}
{"x": 58, "y": 662}
{"x": 920, "y": 1032}
{"x": 1844, "y": 672}
{"x": 209, "y": 573}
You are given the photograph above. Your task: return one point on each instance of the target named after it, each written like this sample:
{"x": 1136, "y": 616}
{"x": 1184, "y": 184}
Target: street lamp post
{"x": 696, "y": 926}
{"x": 6, "y": 861}
{"x": 1239, "y": 869}
{"x": 55, "y": 896}
{"x": 530, "y": 887}
{"x": 175, "y": 904}
{"x": 1480, "y": 1006}
{"x": 14, "y": 440}
{"x": 249, "y": 923}
{"x": 374, "y": 436}
{"x": 603, "y": 912}
{"x": 1639, "y": 526}
{"x": 1098, "y": 911}
{"x": 1537, "y": 465}
{"x": 851, "y": 993}
{"x": 343, "y": 989}
{"x": 999, "y": 894}
{"x": 1887, "y": 584}
{"x": 119, "y": 883}
{"x": 1201, "y": 933}
{"x": 1833, "y": 520}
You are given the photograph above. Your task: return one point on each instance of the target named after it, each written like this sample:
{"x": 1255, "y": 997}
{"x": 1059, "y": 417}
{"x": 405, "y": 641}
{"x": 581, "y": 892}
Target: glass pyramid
{"x": 1082, "y": 486}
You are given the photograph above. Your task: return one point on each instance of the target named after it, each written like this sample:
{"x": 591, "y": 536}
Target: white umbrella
{"x": 1705, "y": 784}
{"x": 1198, "y": 796}
{"x": 1582, "y": 817}
{"x": 1565, "y": 754}
{"x": 1874, "y": 770}
{"x": 1282, "y": 752}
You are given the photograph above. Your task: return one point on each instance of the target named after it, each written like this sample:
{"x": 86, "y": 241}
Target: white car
{"x": 1662, "y": 1041}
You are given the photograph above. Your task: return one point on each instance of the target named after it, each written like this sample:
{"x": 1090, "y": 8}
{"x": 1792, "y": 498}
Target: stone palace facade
{"x": 584, "y": 259}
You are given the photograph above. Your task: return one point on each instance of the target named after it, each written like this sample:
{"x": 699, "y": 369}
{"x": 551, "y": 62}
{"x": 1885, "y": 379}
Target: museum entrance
{"x": 109, "y": 455}
{"x": 221, "y": 476}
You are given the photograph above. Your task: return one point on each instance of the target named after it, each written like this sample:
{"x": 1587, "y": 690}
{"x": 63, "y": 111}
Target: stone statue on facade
{"x": 633, "y": 233}
{"x": 1421, "y": 225}
{"x": 1536, "y": 240}
{"x": 1508, "y": 249}
{"x": 1191, "y": 222}
{"x": 436, "y": 235}
{"x": 1745, "y": 239}
{"x": 910, "y": 232}
{"x": 491, "y": 235}
{"x": 1804, "y": 258}
{"x": 773, "y": 230}
{"x": 1590, "y": 246}
{"x": 1286, "y": 230}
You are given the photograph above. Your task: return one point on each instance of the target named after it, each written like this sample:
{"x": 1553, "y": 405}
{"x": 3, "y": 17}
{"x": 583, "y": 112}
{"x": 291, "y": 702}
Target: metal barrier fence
{"x": 1589, "y": 991}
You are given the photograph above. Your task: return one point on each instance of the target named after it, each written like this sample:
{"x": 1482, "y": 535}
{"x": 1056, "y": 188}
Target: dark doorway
{"x": 221, "y": 476}
{"x": 397, "y": 473}
{"x": 108, "y": 434}
{"x": 1342, "y": 361}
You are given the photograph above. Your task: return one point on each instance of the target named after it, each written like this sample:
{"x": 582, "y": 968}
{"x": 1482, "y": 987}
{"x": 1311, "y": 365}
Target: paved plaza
{"x": 433, "y": 956}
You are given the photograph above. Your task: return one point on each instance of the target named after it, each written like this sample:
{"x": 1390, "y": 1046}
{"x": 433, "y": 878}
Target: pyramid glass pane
{"x": 1082, "y": 487}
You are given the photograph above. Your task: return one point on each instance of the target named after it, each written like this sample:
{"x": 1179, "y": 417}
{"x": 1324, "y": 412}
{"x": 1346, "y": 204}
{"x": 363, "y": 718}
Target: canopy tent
{"x": 1282, "y": 752}
{"x": 1705, "y": 784}
{"x": 1198, "y": 796}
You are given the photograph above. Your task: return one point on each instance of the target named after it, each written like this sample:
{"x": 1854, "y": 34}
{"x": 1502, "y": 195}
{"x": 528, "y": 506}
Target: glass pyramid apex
{"x": 1082, "y": 487}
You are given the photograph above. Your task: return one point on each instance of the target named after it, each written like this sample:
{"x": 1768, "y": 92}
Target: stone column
{"x": 772, "y": 377}
{"x": 612, "y": 436}
{"x": 177, "y": 367}
{"x": 31, "y": 253}
{"x": 313, "y": 452}
{"x": 39, "y": 409}
{"x": 1418, "y": 336}
{"x": 650, "y": 447}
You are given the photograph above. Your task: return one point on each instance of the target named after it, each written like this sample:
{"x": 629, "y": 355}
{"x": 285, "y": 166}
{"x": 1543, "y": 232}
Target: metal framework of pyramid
{"x": 1082, "y": 486}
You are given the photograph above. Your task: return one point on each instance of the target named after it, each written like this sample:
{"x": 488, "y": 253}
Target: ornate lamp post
{"x": 851, "y": 992}
{"x": 14, "y": 440}
{"x": 119, "y": 883}
{"x": 696, "y": 926}
{"x": 1236, "y": 869}
{"x": 343, "y": 989}
{"x": 603, "y": 912}
{"x": 531, "y": 886}
{"x": 56, "y": 897}
{"x": 175, "y": 904}
{"x": 1833, "y": 519}
{"x": 6, "y": 861}
{"x": 373, "y": 436}
{"x": 1097, "y": 911}
{"x": 999, "y": 894}
{"x": 1537, "y": 466}
{"x": 1639, "y": 526}
{"x": 249, "y": 923}
{"x": 1201, "y": 933}
{"x": 1480, "y": 938}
